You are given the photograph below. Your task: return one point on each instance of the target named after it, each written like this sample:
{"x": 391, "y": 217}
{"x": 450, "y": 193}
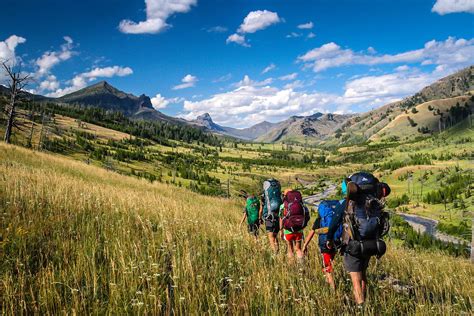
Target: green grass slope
{"x": 77, "y": 239}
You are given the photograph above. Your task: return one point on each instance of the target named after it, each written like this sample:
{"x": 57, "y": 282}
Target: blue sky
{"x": 242, "y": 61}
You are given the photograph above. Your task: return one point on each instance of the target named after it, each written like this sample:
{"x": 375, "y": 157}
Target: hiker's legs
{"x": 356, "y": 278}
{"x": 299, "y": 251}
{"x": 327, "y": 263}
{"x": 272, "y": 237}
{"x": 330, "y": 280}
{"x": 364, "y": 283}
{"x": 290, "y": 250}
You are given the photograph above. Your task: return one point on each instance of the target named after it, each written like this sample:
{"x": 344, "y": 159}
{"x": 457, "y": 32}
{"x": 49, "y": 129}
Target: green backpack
{"x": 253, "y": 207}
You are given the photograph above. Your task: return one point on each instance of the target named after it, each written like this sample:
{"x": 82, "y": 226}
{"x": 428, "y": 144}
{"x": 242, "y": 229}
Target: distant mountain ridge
{"x": 249, "y": 133}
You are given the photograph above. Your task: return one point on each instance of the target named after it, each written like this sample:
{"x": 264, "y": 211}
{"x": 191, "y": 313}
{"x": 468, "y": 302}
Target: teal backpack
{"x": 272, "y": 199}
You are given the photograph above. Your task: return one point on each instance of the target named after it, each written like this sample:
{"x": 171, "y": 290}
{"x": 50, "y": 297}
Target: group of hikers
{"x": 353, "y": 226}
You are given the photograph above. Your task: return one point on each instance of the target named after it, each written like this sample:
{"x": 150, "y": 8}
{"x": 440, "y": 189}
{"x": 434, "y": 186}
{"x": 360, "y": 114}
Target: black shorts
{"x": 355, "y": 264}
{"x": 272, "y": 226}
{"x": 253, "y": 228}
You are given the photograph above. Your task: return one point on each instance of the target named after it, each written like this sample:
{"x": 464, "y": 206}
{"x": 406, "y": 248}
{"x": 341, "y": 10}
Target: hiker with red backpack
{"x": 364, "y": 224}
{"x": 326, "y": 211}
{"x": 294, "y": 216}
{"x": 251, "y": 213}
{"x": 269, "y": 208}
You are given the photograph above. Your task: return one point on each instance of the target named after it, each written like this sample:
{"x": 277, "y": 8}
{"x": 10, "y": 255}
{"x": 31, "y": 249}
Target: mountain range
{"x": 390, "y": 120}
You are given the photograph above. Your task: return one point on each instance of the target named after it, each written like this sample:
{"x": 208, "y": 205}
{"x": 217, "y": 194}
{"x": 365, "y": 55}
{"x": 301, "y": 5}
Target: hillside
{"x": 300, "y": 128}
{"x": 83, "y": 239}
{"x": 365, "y": 125}
{"x": 428, "y": 117}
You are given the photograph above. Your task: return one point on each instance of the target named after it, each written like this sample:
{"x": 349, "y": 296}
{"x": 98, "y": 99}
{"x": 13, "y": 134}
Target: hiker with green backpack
{"x": 251, "y": 213}
{"x": 364, "y": 224}
{"x": 269, "y": 209}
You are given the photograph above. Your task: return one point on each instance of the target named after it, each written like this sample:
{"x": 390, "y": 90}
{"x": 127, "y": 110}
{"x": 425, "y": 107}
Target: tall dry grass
{"x": 77, "y": 239}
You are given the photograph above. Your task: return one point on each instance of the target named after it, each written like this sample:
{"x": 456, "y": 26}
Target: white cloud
{"x": 8, "y": 46}
{"x": 217, "y": 29}
{"x": 443, "y": 7}
{"x": 306, "y": 26}
{"x": 80, "y": 81}
{"x": 246, "y": 81}
{"x": 187, "y": 82}
{"x": 238, "y": 39}
{"x": 252, "y": 102}
{"x": 157, "y": 12}
{"x": 51, "y": 58}
{"x": 402, "y": 68}
{"x": 223, "y": 78}
{"x": 291, "y": 76}
{"x": 311, "y": 35}
{"x": 159, "y": 102}
{"x": 51, "y": 83}
{"x": 293, "y": 35}
{"x": 258, "y": 20}
{"x": 451, "y": 53}
{"x": 268, "y": 68}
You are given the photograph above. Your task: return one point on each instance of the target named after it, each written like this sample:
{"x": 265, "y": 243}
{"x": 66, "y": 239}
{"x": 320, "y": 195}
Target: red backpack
{"x": 296, "y": 215}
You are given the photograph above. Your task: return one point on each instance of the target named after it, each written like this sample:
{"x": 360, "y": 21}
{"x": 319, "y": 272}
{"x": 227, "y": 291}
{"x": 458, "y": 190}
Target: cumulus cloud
{"x": 246, "y": 81}
{"x": 238, "y": 39}
{"x": 306, "y": 26}
{"x": 159, "y": 102}
{"x": 81, "y": 80}
{"x": 451, "y": 53}
{"x": 268, "y": 68}
{"x": 51, "y": 83}
{"x": 253, "y": 22}
{"x": 157, "y": 12}
{"x": 8, "y": 46}
{"x": 443, "y": 7}
{"x": 51, "y": 58}
{"x": 251, "y": 102}
{"x": 311, "y": 35}
{"x": 187, "y": 82}
{"x": 291, "y": 76}
{"x": 258, "y": 20}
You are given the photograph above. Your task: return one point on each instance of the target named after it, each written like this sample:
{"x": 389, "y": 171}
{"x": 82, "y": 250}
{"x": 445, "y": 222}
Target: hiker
{"x": 364, "y": 224}
{"x": 326, "y": 211}
{"x": 251, "y": 213}
{"x": 269, "y": 208}
{"x": 294, "y": 217}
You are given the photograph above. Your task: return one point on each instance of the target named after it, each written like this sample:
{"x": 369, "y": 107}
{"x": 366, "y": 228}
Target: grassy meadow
{"x": 77, "y": 239}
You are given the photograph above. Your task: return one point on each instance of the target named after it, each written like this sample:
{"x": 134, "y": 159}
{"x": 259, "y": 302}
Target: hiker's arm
{"x": 260, "y": 211}
{"x": 308, "y": 240}
{"x": 243, "y": 219}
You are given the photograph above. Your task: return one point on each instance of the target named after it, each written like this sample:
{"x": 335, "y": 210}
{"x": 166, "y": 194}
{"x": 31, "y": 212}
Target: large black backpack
{"x": 366, "y": 216}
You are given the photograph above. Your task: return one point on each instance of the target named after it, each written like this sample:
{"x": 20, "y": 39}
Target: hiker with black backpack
{"x": 269, "y": 208}
{"x": 326, "y": 211}
{"x": 364, "y": 224}
{"x": 294, "y": 216}
{"x": 251, "y": 213}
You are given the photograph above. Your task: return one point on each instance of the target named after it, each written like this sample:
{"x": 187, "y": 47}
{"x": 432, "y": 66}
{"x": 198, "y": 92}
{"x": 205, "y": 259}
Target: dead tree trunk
{"x": 16, "y": 82}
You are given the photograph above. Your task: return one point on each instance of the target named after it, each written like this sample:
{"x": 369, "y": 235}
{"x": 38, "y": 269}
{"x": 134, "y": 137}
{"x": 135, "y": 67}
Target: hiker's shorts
{"x": 355, "y": 264}
{"x": 328, "y": 257}
{"x": 272, "y": 226}
{"x": 294, "y": 237}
